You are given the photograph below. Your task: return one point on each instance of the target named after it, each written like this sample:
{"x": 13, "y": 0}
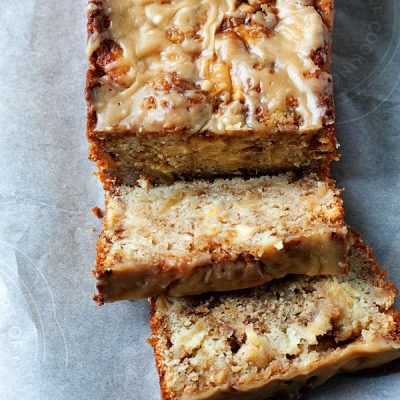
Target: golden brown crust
{"x": 112, "y": 171}
{"x": 97, "y": 23}
{"x": 304, "y": 235}
{"x": 156, "y": 327}
{"x": 292, "y": 386}
{"x": 224, "y": 274}
{"x": 326, "y": 9}
{"x": 349, "y": 357}
{"x": 356, "y": 242}
{"x": 100, "y": 259}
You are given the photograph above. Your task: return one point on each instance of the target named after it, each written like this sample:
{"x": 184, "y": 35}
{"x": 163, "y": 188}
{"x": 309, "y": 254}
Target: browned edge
{"x": 98, "y": 23}
{"x": 356, "y": 242}
{"x": 156, "y": 327}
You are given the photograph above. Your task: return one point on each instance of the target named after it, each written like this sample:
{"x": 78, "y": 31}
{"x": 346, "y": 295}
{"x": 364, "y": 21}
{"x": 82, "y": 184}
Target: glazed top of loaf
{"x": 210, "y": 65}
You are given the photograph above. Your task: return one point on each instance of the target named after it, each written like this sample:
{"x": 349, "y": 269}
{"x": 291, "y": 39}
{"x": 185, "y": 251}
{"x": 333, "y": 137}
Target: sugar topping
{"x": 212, "y": 65}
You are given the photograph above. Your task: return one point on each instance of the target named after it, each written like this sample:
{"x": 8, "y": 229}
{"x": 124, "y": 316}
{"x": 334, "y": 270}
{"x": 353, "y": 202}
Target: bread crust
{"x": 130, "y": 282}
{"x": 353, "y": 357}
{"x": 117, "y": 167}
{"x": 317, "y": 247}
{"x": 292, "y": 386}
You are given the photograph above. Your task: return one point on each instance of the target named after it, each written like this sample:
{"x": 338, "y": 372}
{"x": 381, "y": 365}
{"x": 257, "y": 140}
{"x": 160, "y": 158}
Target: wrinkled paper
{"x": 55, "y": 342}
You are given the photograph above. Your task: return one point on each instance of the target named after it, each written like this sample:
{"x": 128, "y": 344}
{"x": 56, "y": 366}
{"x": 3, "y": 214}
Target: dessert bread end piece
{"x": 196, "y": 237}
{"x": 278, "y": 340}
{"x": 184, "y": 88}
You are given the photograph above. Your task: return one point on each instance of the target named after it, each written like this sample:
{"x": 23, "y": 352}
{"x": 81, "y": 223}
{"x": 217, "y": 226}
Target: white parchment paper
{"x": 55, "y": 343}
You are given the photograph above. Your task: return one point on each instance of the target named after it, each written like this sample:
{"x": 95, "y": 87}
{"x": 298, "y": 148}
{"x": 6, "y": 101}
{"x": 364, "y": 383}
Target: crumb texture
{"x": 196, "y": 223}
{"x": 215, "y": 345}
{"x": 201, "y": 236}
{"x": 176, "y": 155}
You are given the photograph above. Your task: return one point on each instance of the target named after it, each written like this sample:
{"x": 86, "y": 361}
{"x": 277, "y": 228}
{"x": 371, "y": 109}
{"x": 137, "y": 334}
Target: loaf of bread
{"x": 201, "y": 88}
{"x": 195, "y": 237}
{"x": 277, "y": 340}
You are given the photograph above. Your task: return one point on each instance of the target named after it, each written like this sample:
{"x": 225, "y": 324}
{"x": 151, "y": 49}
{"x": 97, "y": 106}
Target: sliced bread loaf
{"x": 209, "y": 87}
{"x": 273, "y": 341}
{"x": 195, "y": 237}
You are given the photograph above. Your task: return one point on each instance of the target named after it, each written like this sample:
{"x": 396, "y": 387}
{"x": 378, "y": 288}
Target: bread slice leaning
{"x": 276, "y": 340}
{"x": 195, "y": 237}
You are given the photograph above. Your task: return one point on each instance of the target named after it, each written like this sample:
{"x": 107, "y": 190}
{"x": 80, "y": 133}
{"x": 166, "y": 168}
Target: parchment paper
{"x": 55, "y": 343}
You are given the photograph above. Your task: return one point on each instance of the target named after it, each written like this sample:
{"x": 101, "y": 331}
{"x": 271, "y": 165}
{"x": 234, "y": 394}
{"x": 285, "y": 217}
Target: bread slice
{"x": 202, "y": 88}
{"x": 195, "y": 237}
{"x": 277, "y": 340}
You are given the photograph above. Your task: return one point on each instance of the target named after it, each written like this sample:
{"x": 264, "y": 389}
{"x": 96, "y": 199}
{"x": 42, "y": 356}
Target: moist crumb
{"x": 275, "y": 340}
{"x": 193, "y": 237}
